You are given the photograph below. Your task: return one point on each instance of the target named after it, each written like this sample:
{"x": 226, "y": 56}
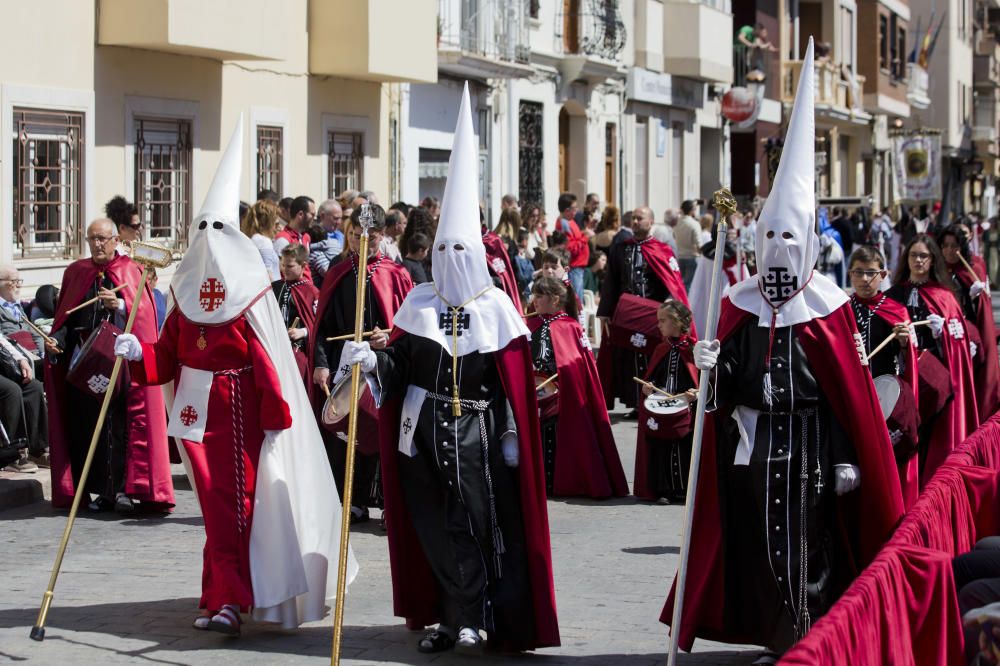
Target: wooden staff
{"x": 547, "y": 382}
{"x": 295, "y": 323}
{"x": 975, "y": 276}
{"x": 154, "y": 257}
{"x": 365, "y": 219}
{"x": 348, "y": 336}
{"x": 892, "y": 336}
{"x": 723, "y": 202}
{"x": 95, "y": 299}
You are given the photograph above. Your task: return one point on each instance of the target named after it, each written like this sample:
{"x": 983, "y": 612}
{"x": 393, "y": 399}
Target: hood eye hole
{"x": 216, "y": 225}
{"x": 787, "y": 235}
{"x": 203, "y": 224}
{"x": 459, "y": 247}
{"x": 441, "y": 247}
{"x": 770, "y": 234}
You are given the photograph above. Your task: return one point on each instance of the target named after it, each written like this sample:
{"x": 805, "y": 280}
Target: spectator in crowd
{"x": 508, "y": 226}
{"x": 706, "y": 221}
{"x": 243, "y": 212}
{"x": 23, "y": 414}
{"x": 576, "y": 241}
{"x": 126, "y": 218}
{"x": 323, "y": 253}
{"x": 523, "y": 268}
{"x": 419, "y": 221}
{"x": 508, "y": 201}
{"x": 284, "y": 213}
{"x": 261, "y": 226}
{"x": 345, "y": 198}
{"x": 302, "y": 212}
{"x": 44, "y": 307}
{"x": 159, "y": 298}
{"x": 594, "y": 274}
{"x": 13, "y": 316}
{"x": 402, "y": 207}
{"x": 880, "y": 236}
{"x": 268, "y": 195}
{"x": 842, "y": 223}
{"x": 330, "y": 216}
{"x": 533, "y": 219}
{"x": 365, "y": 196}
{"x": 419, "y": 245}
{"x": 607, "y": 228}
{"x": 559, "y": 241}
{"x": 432, "y": 206}
{"x": 591, "y": 205}
{"x": 395, "y": 225}
{"x": 664, "y": 231}
{"x": 687, "y": 233}
{"x": 626, "y": 229}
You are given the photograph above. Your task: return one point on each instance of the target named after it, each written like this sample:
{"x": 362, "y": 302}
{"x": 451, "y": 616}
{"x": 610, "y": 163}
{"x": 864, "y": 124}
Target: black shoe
{"x": 101, "y": 504}
{"x": 435, "y": 641}
{"x": 359, "y": 515}
{"x": 632, "y": 415}
{"x": 123, "y": 504}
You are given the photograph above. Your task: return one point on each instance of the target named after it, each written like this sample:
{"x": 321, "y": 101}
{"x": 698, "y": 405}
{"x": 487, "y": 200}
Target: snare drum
{"x": 337, "y": 408}
{"x": 90, "y": 371}
{"x": 934, "y": 385}
{"x": 548, "y": 397}
{"x": 899, "y": 409}
{"x": 665, "y": 418}
{"x": 634, "y": 325}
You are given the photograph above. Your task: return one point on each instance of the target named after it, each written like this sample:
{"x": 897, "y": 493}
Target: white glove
{"x": 977, "y": 288}
{"x": 973, "y": 349}
{"x": 937, "y": 324}
{"x": 128, "y": 345}
{"x": 508, "y": 444}
{"x": 706, "y": 354}
{"x": 360, "y": 353}
{"x": 848, "y": 478}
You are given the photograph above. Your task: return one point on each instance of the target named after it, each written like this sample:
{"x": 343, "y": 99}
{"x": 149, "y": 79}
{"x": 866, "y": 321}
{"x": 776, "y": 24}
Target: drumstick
{"x": 348, "y": 336}
{"x": 889, "y": 339}
{"x": 326, "y": 389}
{"x": 295, "y": 323}
{"x": 643, "y": 382}
{"x": 95, "y": 299}
{"x": 529, "y": 314}
{"x": 547, "y": 381}
{"x": 40, "y": 332}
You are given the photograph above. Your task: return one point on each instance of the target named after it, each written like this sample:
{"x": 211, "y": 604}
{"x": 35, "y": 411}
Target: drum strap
{"x": 480, "y": 407}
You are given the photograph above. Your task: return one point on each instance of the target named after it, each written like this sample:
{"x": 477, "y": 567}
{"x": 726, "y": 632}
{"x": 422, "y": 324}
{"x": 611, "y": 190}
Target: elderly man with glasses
{"x": 132, "y": 462}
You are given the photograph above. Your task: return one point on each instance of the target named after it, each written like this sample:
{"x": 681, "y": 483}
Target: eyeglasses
{"x": 134, "y": 227}
{"x": 867, "y": 275}
{"x": 920, "y": 256}
{"x": 16, "y": 283}
{"x": 100, "y": 240}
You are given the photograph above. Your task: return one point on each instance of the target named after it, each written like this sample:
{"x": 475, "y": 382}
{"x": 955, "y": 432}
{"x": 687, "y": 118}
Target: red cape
{"x": 986, "y": 367}
{"x": 415, "y": 593}
{"x": 640, "y": 482}
{"x": 305, "y": 296}
{"x": 961, "y": 416}
{"x": 587, "y": 461}
{"x": 892, "y": 313}
{"x": 870, "y": 513}
{"x": 661, "y": 259}
{"x": 390, "y": 284}
{"x": 496, "y": 248}
{"x": 147, "y": 465}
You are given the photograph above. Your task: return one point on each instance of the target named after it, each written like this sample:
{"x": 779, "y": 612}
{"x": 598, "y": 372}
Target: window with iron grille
{"x": 530, "y": 152}
{"x": 346, "y": 158}
{"x": 270, "y": 159}
{"x": 163, "y": 178}
{"x": 48, "y": 182}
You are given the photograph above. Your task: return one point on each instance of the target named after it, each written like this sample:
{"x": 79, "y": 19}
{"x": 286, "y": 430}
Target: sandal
{"x": 201, "y": 622}
{"x": 226, "y": 621}
{"x": 435, "y": 641}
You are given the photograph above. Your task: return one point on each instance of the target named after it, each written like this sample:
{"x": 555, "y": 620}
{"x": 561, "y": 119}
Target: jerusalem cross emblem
{"x": 189, "y": 415}
{"x": 211, "y": 295}
{"x": 98, "y": 383}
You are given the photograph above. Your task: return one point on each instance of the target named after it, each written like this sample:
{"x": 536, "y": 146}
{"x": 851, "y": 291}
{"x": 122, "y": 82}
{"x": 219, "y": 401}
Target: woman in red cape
{"x": 974, "y": 296}
{"x": 147, "y": 462}
{"x": 500, "y": 266}
{"x": 922, "y": 285}
{"x": 867, "y": 516}
{"x": 586, "y": 459}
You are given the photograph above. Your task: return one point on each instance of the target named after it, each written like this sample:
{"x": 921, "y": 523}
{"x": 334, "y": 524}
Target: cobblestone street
{"x": 129, "y": 588}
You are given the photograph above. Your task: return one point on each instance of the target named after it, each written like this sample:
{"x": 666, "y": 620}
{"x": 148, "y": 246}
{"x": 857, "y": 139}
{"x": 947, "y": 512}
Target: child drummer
{"x": 663, "y": 452}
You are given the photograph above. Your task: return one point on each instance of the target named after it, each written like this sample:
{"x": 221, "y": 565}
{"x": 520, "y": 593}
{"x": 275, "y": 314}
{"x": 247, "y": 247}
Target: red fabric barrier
{"x": 903, "y": 608}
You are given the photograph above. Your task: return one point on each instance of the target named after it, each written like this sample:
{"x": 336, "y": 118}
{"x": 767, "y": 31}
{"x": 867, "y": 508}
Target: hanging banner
{"x": 917, "y": 167}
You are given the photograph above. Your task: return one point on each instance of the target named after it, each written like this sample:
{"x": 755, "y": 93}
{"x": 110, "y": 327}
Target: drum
{"x": 934, "y": 385}
{"x": 90, "y": 370}
{"x": 665, "y": 418}
{"x": 548, "y": 397}
{"x": 634, "y": 326}
{"x": 899, "y": 408}
{"x": 337, "y": 408}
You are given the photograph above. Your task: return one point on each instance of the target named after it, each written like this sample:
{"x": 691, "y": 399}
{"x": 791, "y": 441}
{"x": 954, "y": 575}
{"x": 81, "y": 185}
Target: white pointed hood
{"x": 787, "y": 245}
{"x": 488, "y": 319}
{"x": 221, "y": 274}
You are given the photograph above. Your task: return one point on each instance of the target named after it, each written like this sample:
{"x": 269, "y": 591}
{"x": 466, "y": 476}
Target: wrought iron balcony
{"x": 483, "y": 38}
{"x": 590, "y": 27}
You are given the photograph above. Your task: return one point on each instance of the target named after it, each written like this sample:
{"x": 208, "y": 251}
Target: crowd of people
{"x": 817, "y": 391}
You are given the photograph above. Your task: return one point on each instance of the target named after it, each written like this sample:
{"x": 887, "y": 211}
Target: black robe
{"x": 462, "y": 497}
{"x": 670, "y": 459}
{"x": 543, "y": 357}
{"x": 289, "y": 311}
{"x": 874, "y": 329}
{"x": 628, "y": 273}
{"x": 107, "y": 471}
{"x": 766, "y": 506}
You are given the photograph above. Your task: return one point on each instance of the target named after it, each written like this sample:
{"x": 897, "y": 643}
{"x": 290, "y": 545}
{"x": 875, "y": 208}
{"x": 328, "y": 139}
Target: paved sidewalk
{"x": 128, "y": 591}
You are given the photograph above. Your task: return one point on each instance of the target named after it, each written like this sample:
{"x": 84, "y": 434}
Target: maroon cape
{"x": 147, "y": 464}
{"x": 961, "y": 417}
{"x": 304, "y": 295}
{"x": 894, "y": 313}
{"x": 869, "y": 514}
{"x": 640, "y": 482}
{"x": 415, "y": 593}
{"x": 587, "y": 461}
{"x": 986, "y": 366}
{"x": 496, "y": 251}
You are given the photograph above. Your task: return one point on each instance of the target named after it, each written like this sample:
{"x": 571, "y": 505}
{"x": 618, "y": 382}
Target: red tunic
{"x": 587, "y": 461}
{"x": 147, "y": 465}
{"x": 245, "y": 400}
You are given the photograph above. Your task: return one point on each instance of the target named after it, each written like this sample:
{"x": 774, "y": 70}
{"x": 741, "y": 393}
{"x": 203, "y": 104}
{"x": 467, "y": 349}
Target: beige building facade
{"x": 139, "y": 97}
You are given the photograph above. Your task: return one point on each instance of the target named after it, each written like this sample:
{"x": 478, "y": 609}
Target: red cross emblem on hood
{"x": 211, "y": 295}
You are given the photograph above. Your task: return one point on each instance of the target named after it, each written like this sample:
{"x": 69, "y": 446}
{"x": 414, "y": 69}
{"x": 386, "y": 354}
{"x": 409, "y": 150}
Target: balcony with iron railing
{"x": 589, "y": 40}
{"x": 984, "y": 123}
{"x": 756, "y": 67}
{"x": 483, "y": 38}
{"x": 697, "y": 35}
{"x": 839, "y": 91}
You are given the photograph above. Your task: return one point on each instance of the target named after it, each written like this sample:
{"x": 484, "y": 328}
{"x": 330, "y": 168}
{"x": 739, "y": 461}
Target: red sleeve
{"x": 274, "y": 412}
{"x": 159, "y": 359}
{"x": 576, "y": 243}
